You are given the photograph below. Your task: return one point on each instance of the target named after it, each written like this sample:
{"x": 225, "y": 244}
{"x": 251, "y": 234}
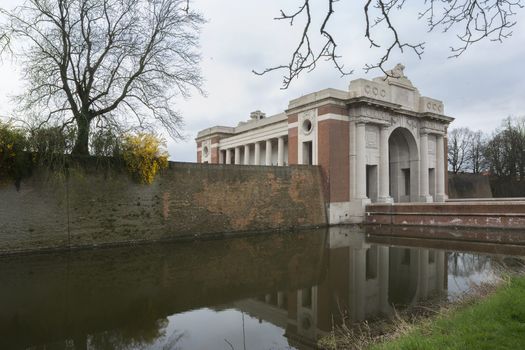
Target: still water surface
{"x": 275, "y": 291}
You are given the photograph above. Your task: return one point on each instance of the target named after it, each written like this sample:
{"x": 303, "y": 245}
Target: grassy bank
{"x": 496, "y": 321}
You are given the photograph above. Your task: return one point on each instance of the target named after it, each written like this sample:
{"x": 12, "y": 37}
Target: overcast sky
{"x": 479, "y": 89}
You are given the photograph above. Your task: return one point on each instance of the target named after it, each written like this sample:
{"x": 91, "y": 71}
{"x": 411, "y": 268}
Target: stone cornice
{"x": 316, "y": 104}
{"x": 227, "y": 131}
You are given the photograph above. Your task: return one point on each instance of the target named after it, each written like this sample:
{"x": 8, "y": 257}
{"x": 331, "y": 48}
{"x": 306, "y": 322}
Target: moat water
{"x": 270, "y": 291}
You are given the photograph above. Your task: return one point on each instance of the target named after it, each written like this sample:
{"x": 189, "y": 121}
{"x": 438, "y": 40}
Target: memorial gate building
{"x": 378, "y": 142}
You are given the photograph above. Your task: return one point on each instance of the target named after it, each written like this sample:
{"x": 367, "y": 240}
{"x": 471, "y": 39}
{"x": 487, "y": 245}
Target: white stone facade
{"x": 380, "y": 141}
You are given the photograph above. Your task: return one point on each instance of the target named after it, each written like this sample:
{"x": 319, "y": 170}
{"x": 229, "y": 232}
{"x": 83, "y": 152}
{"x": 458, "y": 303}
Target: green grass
{"x": 496, "y": 322}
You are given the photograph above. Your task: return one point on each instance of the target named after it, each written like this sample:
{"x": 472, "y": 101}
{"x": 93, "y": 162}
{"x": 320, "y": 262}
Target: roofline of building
{"x": 242, "y": 127}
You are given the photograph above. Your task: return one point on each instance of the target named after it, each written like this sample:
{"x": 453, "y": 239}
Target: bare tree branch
{"x": 120, "y": 62}
{"x": 471, "y": 20}
{"x": 304, "y": 57}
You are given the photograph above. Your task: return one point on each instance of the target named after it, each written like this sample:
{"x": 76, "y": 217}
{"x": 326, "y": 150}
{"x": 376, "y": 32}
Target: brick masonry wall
{"x": 99, "y": 207}
{"x": 334, "y": 160}
{"x": 457, "y": 214}
{"x": 468, "y": 186}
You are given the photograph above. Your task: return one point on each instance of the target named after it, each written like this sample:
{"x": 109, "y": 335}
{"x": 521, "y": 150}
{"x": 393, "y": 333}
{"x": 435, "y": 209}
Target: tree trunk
{"x": 82, "y": 142}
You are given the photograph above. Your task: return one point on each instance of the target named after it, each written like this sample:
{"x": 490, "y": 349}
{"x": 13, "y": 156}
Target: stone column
{"x": 360, "y": 171}
{"x": 228, "y": 156}
{"x": 268, "y": 152}
{"x": 246, "y": 154}
{"x": 440, "y": 169}
{"x": 257, "y": 154}
{"x": 384, "y": 168}
{"x": 280, "y": 151}
{"x": 423, "y": 168}
{"x": 237, "y": 155}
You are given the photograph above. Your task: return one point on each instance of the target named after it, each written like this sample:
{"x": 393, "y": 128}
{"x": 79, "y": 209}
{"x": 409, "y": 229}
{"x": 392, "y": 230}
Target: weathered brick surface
{"x": 292, "y": 146}
{"x": 199, "y": 156}
{"x": 214, "y": 152}
{"x": 454, "y": 214}
{"x": 95, "y": 208}
{"x": 333, "y": 108}
{"x": 469, "y": 186}
{"x": 35, "y": 215}
{"x": 334, "y": 159}
{"x": 293, "y": 118}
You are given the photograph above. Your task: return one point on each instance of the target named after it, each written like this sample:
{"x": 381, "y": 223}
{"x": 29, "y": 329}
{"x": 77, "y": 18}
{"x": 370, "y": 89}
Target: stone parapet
{"x": 457, "y": 214}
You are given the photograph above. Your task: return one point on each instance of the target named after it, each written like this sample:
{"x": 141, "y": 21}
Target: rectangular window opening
{"x": 406, "y": 176}
{"x": 307, "y": 153}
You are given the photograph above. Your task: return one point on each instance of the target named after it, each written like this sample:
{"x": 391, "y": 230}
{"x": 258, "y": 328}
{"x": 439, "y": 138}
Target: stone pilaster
{"x": 440, "y": 169}
{"x": 423, "y": 168}
{"x": 384, "y": 168}
{"x": 360, "y": 170}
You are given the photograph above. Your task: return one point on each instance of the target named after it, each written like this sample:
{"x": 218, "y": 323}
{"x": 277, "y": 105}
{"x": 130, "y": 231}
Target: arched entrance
{"x": 403, "y": 165}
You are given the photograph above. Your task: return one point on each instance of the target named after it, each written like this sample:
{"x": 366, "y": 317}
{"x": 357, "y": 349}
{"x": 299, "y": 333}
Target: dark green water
{"x": 272, "y": 291}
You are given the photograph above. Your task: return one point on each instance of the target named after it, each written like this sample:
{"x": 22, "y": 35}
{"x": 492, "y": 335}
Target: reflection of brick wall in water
{"x": 97, "y": 207}
{"x": 133, "y": 287}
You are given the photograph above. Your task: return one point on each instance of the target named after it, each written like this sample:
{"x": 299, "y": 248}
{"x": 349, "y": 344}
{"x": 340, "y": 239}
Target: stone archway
{"x": 403, "y": 166}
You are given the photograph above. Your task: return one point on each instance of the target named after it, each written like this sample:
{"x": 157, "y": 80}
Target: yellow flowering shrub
{"x": 144, "y": 155}
{"x": 13, "y": 158}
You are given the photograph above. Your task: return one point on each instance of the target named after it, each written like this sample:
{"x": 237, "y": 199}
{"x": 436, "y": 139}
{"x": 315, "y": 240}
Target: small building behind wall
{"x": 380, "y": 141}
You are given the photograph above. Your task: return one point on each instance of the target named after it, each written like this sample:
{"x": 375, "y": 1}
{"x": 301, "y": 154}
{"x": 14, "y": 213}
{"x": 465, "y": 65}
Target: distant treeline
{"x": 501, "y": 155}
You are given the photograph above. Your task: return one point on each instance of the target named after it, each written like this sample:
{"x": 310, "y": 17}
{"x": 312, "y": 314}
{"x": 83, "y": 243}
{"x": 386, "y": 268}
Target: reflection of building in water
{"x": 361, "y": 281}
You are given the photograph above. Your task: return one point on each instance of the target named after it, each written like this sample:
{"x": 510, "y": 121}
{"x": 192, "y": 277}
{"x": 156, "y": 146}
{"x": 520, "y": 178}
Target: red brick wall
{"x": 187, "y": 200}
{"x": 333, "y": 157}
{"x": 458, "y": 214}
{"x": 332, "y": 108}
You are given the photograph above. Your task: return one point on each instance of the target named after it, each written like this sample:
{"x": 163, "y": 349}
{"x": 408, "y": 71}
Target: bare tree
{"x": 505, "y": 151}
{"x": 110, "y": 62}
{"x": 459, "y": 144}
{"x": 470, "y": 20}
{"x": 478, "y": 163}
